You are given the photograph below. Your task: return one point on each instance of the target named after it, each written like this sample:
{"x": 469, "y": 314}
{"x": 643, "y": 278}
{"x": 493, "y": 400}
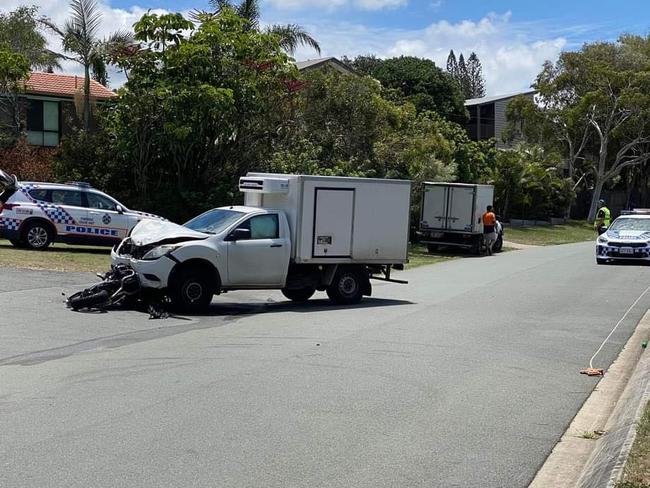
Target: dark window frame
{"x": 36, "y": 122}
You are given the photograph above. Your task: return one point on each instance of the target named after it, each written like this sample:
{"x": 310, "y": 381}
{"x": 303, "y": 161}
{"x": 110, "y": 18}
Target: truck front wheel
{"x": 192, "y": 290}
{"x": 301, "y": 295}
{"x": 347, "y": 287}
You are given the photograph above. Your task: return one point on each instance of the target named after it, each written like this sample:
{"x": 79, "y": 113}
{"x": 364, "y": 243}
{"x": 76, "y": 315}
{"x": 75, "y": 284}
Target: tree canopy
{"x": 422, "y": 83}
{"x": 19, "y": 32}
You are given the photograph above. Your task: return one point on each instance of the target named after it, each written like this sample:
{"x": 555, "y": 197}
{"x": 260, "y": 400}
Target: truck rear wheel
{"x": 347, "y": 287}
{"x": 301, "y": 295}
{"x": 432, "y": 248}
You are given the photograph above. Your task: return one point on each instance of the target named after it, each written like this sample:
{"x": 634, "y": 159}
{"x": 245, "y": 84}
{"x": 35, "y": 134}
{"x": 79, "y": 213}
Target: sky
{"x": 511, "y": 37}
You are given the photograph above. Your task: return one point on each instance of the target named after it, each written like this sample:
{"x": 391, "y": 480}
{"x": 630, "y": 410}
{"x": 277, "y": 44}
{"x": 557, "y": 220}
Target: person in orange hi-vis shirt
{"x": 489, "y": 229}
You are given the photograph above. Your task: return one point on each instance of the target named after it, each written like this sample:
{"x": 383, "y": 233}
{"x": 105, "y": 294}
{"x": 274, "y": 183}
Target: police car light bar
{"x": 636, "y": 211}
{"x": 82, "y": 184}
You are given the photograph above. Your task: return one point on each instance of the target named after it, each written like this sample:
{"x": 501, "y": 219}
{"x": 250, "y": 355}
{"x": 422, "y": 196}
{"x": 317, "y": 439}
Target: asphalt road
{"x": 466, "y": 377}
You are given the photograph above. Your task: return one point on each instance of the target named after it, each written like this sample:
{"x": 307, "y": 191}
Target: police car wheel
{"x": 498, "y": 245}
{"x": 192, "y": 290}
{"x": 37, "y": 235}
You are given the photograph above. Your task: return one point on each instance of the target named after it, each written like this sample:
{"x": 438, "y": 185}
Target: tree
{"x": 476, "y": 82}
{"x": 80, "y": 40}
{"x": 554, "y": 124}
{"x": 467, "y": 74}
{"x": 201, "y": 112}
{"x": 291, "y": 35}
{"x": 425, "y": 85}
{"x": 14, "y": 70}
{"x": 596, "y": 102}
{"x": 363, "y": 65}
{"x": 528, "y": 183}
{"x": 19, "y": 32}
{"x": 452, "y": 64}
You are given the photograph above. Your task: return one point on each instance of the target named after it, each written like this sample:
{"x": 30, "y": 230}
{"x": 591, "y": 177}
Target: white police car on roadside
{"x": 627, "y": 238}
{"x": 34, "y": 215}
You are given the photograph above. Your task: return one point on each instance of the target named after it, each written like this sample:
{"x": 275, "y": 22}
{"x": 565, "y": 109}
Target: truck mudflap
{"x": 383, "y": 273}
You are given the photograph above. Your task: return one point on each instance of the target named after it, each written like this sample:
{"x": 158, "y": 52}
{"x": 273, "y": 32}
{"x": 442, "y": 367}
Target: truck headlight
{"x": 158, "y": 252}
{"x": 603, "y": 240}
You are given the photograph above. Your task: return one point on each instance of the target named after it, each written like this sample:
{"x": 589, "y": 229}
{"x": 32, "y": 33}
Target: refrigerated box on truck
{"x": 296, "y": 233}
{"x": 337, "y": 219}
{"x": 451, "y": 214}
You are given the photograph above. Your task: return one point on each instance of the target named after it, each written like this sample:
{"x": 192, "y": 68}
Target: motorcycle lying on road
{"x": 118, "y": 286}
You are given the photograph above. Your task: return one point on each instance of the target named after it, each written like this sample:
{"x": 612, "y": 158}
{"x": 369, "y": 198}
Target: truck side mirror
{"x": 239, "y": 234}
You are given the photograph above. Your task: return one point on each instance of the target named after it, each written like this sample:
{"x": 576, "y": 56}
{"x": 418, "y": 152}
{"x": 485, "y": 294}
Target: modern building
{"x": 487, "y": 116}
{"x": 47, "y": 108}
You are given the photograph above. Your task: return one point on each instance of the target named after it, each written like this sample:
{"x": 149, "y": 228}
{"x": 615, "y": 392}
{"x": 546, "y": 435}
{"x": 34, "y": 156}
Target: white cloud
{"x": 510, "y": 55}
{"x": 334, "y": 4}
{"x": 113, "y": 19}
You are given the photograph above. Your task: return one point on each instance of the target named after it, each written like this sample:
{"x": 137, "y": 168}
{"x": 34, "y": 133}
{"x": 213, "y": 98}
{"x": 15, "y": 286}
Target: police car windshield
{"x": 631, "y": 224}
{"x": 213, "y": 221}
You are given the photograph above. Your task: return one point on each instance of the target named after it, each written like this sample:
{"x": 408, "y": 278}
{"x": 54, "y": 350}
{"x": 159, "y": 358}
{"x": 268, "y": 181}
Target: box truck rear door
{"x": 334, "y": 217}
{"x": 434, "y": 207}
{"x": 461, "y": 208}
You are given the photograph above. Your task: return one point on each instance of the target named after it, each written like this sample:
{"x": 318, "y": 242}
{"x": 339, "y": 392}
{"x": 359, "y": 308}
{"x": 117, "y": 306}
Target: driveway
{"x": 465, "y": 377}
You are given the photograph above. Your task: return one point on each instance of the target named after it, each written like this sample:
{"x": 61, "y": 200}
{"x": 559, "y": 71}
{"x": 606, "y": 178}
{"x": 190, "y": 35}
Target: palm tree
{"x": 291, "y": 35}
{"x": 79, "y": 37}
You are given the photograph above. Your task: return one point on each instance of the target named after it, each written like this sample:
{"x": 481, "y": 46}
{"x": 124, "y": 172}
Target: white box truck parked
{"x": 295, "y": 233}
{"x": 451, "y": 215}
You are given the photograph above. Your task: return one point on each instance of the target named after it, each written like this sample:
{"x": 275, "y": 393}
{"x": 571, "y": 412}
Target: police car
{"x": 34, "y": 215}
{"x": 627, "y": 238}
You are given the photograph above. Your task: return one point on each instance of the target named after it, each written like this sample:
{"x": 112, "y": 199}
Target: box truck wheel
{"x": 347, "y": 287}
{"x": 299, "y": 296}
{"x": 432, "y": 248}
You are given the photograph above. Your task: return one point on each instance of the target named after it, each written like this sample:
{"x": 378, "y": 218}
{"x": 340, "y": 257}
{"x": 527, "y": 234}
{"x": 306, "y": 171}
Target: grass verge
{"x": 62, "y": 257}
{"x": 420, "y": 256}
{"x": 637, "y": 469}
{"x": 574, "y": 231}
{"x": 58, "y": 257}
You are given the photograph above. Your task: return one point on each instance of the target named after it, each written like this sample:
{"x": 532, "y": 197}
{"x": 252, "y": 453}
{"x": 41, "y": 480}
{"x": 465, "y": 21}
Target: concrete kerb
{"x": 614, "y": 408}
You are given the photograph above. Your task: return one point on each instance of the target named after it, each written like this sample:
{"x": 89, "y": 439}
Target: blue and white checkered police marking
{"x": 9, "y": 224}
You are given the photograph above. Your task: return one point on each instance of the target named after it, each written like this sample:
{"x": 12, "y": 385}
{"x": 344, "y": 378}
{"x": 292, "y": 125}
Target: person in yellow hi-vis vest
{"x": 603, "y": 217}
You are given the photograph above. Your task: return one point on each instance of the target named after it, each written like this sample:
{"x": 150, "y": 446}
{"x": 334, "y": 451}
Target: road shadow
{"x": 627, "y": 263}
{"x": 220, "y": 309}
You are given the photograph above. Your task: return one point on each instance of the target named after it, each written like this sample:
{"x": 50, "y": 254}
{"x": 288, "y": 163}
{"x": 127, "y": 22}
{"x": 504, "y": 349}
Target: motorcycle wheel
{"x": 92, "y": 300}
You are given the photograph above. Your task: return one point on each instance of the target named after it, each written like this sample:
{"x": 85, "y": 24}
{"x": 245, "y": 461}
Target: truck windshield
{"x": 631, "y": 224}
{"x": 213, "y": 221}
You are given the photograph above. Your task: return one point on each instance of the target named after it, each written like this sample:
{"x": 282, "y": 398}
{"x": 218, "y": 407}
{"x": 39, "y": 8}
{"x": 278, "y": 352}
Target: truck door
{"x": 259, "y": 256}
{"x": 334, "y": 217}
{"x": 461, "y": 208}
{"x": 434, "y": 207}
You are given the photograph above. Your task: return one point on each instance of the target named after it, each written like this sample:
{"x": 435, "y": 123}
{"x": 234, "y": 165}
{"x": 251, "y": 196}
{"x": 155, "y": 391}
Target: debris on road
{"x": 593, "y": 371}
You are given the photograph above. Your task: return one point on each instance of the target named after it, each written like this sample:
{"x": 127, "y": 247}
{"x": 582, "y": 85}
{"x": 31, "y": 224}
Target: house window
{"x": 486, "y": 114}
{"x": 42, "y": 123}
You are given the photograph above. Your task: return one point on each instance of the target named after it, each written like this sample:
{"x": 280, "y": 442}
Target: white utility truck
{"x": 295, "y": 233}
{"x": 451, "y": 215}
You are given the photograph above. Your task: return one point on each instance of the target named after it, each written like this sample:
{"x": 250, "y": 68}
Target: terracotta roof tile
{"x": 64, "y": 86}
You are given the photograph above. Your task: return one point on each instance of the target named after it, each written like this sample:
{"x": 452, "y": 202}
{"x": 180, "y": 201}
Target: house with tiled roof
{"x": 48, "y": 106}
